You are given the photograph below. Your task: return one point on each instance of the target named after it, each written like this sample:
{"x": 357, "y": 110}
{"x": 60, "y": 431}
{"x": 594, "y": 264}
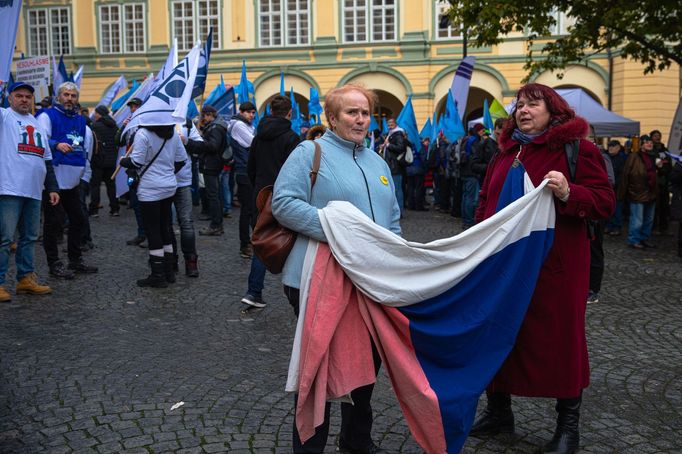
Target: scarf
{"x": 524, "y": 138}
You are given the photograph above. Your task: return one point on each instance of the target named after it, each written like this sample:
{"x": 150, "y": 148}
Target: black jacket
{"x": 210, "y": 151}
{"x": 397, "y": 144}
{"x": 481, "y": 157}
{"x": 106, "y": 151}
{"x": 271, "y": 146}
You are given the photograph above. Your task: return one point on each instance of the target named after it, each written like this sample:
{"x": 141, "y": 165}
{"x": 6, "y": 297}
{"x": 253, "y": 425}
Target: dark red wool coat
{"x": 549, "y": 358}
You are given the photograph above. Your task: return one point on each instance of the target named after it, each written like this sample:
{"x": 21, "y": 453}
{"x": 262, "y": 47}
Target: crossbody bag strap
{"x": 154, "y": 158}
{"x": 316, "y": 164}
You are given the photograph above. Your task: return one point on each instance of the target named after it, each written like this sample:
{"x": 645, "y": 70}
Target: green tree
{"x": 648, "y": 31}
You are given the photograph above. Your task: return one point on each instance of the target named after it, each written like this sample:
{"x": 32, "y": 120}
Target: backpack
{"x": 228, "y": 154}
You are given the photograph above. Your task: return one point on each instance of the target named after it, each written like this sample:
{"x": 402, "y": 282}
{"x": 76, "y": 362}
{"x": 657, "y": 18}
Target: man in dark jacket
{"x": 483, "y": 154}
{"x": 469, "y": 178}
{"x": 271, "y": 146}
{"x": 395, "y": 145}
{"x": 618, "y": 156}
{"x": 241, "y": 135}
{"x": 210, "y": 152}
{"x": 103, "y": 161}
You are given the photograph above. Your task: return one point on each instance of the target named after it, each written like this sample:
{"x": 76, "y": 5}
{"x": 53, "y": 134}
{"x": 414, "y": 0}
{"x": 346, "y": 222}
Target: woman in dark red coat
{"x": 549, "y": 358}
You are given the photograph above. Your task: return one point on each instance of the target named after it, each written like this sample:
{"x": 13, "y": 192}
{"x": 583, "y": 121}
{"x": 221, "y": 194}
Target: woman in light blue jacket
{"x": 350, "y": 172}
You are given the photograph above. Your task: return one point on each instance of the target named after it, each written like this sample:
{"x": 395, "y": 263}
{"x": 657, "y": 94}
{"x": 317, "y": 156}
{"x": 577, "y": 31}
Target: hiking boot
{"x": 28, "y": 285}
{"x": 136, "y": 241}
{"x": 253, "y": 300}
{"x": 57, "y": 269}
{"x": 114, "y": 214}
{"x": 80, "y": 267}
{"x": 246, "y": 251}
{"x": 4, "y": 295}
{"x": 211, "y": 231}
{"x": 592, "y": 297}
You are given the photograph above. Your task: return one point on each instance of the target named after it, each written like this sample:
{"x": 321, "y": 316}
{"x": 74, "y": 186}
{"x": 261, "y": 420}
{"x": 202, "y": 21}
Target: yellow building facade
{"x": 396, "y": 47}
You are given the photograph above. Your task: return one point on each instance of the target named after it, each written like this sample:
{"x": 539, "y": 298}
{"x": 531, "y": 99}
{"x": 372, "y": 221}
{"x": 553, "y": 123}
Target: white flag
{"x": 168, "y": 103}
{"x": 171, "y": 62}
{"x": 142, "y": 93}
{"x": 460, "y": 84}
{"x": 111, "y": 93}
{"x": 9, "y": 21}
{"x": 78, "y": 77}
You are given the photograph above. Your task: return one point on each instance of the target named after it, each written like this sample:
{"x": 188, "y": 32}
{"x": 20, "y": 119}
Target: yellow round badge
{"x": 384, "y": 180}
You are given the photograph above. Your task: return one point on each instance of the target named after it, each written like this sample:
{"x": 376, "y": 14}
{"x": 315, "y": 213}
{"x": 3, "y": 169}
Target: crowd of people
{"x": 54, "y": 161}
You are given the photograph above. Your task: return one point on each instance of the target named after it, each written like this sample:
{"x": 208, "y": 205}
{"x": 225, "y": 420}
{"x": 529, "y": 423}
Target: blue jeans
{"x": 641, "y": 221}
{"x": 256, "y": 277}
{"x": 398, "y": 183}
{"x": 226, "y": 182}
{"x": 183, "y": 208}
{"x": 615, "y": 222}
{"x": 135, "y": 204}
{"x": 469, "y": 200}
{"x": 21, "y": 213}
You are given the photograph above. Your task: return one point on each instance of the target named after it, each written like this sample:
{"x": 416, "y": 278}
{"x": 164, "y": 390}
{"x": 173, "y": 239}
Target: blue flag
{"x": 9, "y": 21}
{"x": 373, "y": 125}
{"x": 295, "y": 113}
{"x": 452, "y": 124}
{"x": 202, "y": 72}
{"x": 226, "y": 104}
{"x": 487, "y": 118}
{"x": 408, "y": 121}
{"x": 121, "y": 101}
{"x": 314, "y": 106}
{"x": 245, "y": 90}
{"x": 192, "y": 110}
{"x": 267, "y": 109}
{"x": 436, "y": 126}
{"x": 282, "y": 92}
{"x": 5, "y": 96}
{"x": 216, "y": 93}
{"x": 427, "y": 130}
{"x": 384, "y": 126}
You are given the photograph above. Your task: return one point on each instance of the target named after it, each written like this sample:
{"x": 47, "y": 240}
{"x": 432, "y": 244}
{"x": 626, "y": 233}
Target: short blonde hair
{"x": 333, "y": 100}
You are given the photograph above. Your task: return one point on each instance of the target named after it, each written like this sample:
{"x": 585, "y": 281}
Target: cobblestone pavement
{"x": 100, "y": 365}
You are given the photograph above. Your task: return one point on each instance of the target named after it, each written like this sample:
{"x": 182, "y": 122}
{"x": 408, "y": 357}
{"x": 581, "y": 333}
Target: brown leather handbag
{"x": 271, "y": 241}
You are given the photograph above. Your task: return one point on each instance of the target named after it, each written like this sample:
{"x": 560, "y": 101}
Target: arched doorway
{"x": 388, "y": 105}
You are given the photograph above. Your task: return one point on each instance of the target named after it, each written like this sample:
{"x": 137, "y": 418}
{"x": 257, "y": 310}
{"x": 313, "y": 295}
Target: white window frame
{"x": 287, "y": 36}
{"x": 440, "y": 6}
{"x": 371, "y": 10}
{"x": 198, "y": 22}
{"x": 124, "y": 43}
{"x": 48, "y": 30}
{"x": 563, "y": 21}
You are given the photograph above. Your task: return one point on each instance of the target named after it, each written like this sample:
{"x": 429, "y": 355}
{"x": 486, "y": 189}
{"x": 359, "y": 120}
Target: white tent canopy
{"x": 603, "y": 122}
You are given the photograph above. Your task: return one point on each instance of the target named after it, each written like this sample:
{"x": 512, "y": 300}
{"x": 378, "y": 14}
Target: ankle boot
{"x": 168, "y": 261}
{"x": 496, "y": 418}
{"x": 191, "y": 269}
{"x": 157, "y": 277}
{"x": 566, "y": 436}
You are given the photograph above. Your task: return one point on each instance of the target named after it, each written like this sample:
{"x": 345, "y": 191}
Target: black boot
{"x": 176, "y": 261}
{"x": 168, "y": 262}
{"x": 191, "y": 268}
{"x": 496, "y": 418}
{"x": 157, "y": 278}
{"x": 566, "y": 436}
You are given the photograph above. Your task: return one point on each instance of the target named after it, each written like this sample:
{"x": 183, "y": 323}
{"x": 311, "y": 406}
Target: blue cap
{"x": 18, "y": 85}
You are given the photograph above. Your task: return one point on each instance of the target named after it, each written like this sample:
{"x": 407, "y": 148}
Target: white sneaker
{"x": 253, "y": 301}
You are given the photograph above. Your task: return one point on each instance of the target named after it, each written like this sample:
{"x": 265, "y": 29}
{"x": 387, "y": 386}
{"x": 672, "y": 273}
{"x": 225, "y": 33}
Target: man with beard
{"x": 71, "y": 142}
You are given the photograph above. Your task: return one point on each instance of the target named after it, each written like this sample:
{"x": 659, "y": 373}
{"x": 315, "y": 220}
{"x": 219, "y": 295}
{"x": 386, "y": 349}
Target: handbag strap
{"x": 153, "y": 159}
{"x": 316, "y": 164}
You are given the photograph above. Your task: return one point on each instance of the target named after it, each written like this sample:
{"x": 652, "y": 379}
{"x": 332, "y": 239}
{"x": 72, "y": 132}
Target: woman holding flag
{"x": 349, "y": 171}
{"x": 549, "y": 358}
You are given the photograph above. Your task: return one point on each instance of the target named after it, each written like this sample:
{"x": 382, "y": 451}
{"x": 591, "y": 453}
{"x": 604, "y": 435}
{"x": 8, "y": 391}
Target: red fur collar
{"x": 555, "y": 138}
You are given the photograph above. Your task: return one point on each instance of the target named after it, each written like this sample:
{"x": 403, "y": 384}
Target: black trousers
{"x": 597, "y": 257}
{"x": 456, "y": 191}
{"x": 100, "y": 174}
{"x": 662, "y": 212}
{"x": 415, "y": 192}
{"x": 356, "y": 420}
{"x": 247, "y": 214}
{"x": 156, "y": 218}
{"x": 69, "y": 203}
{"x": 215, "y": 204}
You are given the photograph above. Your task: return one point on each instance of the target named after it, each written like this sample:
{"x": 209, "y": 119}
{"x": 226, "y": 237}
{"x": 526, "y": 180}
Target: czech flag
{"x": 443, "y": 315}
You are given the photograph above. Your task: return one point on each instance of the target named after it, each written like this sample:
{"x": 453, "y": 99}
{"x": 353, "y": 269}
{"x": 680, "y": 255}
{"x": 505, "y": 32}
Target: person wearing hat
{"x": 103, "y": 161}
{"x": 639, "y": 188}
{"x": 126, "y": 140}
{"x": 71, "y": 142}
{"x": 25, "y": 167}
{"x": 617, "y": 155}
{"x": 241, "y": 135}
